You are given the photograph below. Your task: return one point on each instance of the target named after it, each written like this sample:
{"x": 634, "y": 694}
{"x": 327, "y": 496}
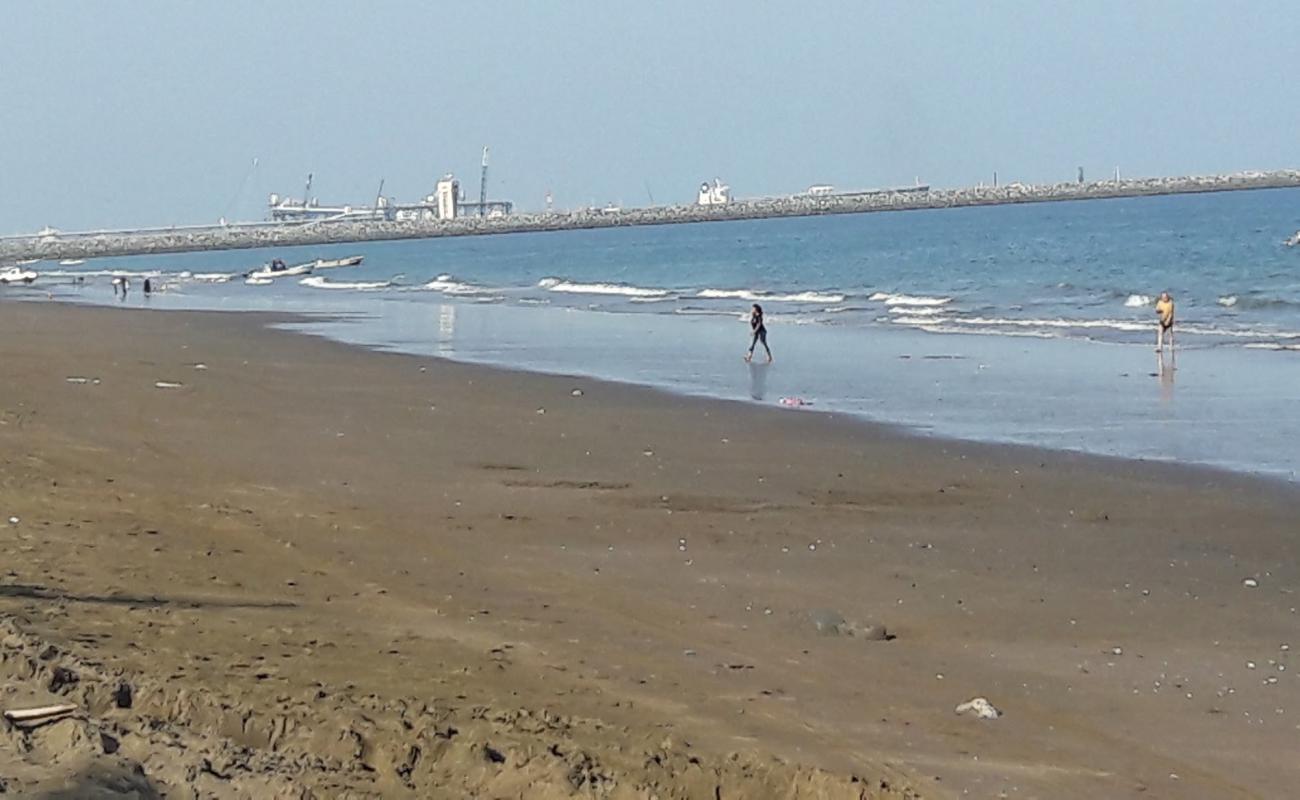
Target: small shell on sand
{"x": 979, "y": 708}
{"x": 168, "y": 384}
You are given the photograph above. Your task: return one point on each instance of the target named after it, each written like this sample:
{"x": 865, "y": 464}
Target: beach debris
{"x": 200, "y": 366}
{"x": 123, "y": 695}
{"x": 794, "y": 402}
{"x": 39, "y": 715}
{"x": 1250, "y": 583}
{"x": 541, "y": 411}
{"x": 829, "y": 622}
{"x": 167, "y": 384}
{"x": 576, "y": 393}
{"x": 77, "y": 379}
{"x": 14, "y": 520}
{"x": 979, "y": 707}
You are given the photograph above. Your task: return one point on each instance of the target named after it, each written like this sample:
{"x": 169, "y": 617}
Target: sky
{"x": 146, "y": 113}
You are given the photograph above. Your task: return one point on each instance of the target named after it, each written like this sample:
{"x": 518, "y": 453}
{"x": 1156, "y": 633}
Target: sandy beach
{"x": 263, "y": 564}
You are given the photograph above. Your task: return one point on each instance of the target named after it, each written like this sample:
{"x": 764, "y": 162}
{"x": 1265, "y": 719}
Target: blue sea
{"x": 1030, "y": 324}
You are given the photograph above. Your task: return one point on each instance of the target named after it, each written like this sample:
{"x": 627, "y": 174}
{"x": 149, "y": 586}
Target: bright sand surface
{"x": 330, "y": 572}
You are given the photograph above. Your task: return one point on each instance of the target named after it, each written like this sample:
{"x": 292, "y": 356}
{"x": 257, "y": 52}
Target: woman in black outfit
{"x": 760, "y": 333}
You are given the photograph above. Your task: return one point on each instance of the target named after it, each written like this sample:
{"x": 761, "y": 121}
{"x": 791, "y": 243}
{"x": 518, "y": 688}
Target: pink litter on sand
{"x": 794, "y": 402}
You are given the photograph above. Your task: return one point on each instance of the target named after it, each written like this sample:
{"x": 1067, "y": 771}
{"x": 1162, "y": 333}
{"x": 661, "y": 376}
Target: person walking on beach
{"x": 1165, "y": 322}
{"x": 760, "y": 333}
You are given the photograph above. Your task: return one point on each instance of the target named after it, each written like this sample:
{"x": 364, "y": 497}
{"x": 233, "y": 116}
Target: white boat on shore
{"x": 332, "y": 263}
{"x": 278, "y": 269}
{"x": 18, "y": 275}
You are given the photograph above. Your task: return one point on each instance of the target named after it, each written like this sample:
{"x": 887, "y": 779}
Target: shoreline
{"x": 321, "y": 325}
{"x": 351, "y": 551}
{"x": 243, "y": 236}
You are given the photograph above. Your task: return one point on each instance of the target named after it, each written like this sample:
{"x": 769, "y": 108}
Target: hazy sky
{"x": 137, "y": 113}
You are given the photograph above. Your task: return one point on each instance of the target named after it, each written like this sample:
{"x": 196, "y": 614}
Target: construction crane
{"x": 482, "y": 186}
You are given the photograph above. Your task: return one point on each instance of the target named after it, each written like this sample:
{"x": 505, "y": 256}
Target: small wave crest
{"x": 1256, "y": 302}
{"x": 891, "y": 299}
{"x": 318, "y": 282}
{"x": 765, "y": 297}
{"x": 619, "y": 289}
{"x": 917, "y": 311}
{"x": 1138, "y": 301}
{"x": 100, "y": 273}
{"x": 447, "y": 284}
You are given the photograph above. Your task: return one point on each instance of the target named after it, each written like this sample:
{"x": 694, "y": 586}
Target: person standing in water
{"x": 1165, "y": 322}
{"x": 760, "y": 333}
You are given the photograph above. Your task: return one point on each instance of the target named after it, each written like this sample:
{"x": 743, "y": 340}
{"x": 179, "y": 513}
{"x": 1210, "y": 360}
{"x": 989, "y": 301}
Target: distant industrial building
{"x": 717, "y": 194}
{"x": 445, "y": 203}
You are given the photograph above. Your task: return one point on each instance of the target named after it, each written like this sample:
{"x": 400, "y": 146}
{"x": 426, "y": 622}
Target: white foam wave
{"x": 619, "y": 289}
{"x": 891, "y": 299}
{"x": 972, "y": 324}
{"x": 1008, "y": 322}
{"x": 318, "y": 282}
{"x": 1138, "y": 301}
{"x": 918, "y": 311}
{"x": 1271, "y": 346}
{"x": 449, "y": 285}
{"x": 1228, "y": 301}
{"x": 100, "y": 273}
{"x": 753, "y": 296}
{"x": 258, "y": 281}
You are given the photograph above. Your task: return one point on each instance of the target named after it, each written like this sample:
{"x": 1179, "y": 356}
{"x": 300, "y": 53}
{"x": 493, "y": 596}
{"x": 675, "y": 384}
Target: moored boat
{"x": 330, "y": 263}
{"x": 278, "y": 269}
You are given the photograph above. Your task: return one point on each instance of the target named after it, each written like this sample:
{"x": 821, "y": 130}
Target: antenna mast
{"x": 482, "y": 186}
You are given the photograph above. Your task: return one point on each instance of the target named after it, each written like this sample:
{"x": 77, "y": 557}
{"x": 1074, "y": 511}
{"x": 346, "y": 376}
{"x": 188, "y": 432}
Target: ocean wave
{"x": 940, "y": 325}
{"x": 917, "y": 311}
{"x": 891, "y": 299}
{"x": 210, "y": 277}
{"x": 99, "y": 273}
{"x": 1138, "y": 301}
{"x": 449, "y": 285}
{"x": 1271, "y": 346}
{"x": 318, "y": 282}
{"x": 620, "y": 289}
{"x": 766, "y": 297}
{"x": 1256, "y": 301}
{"x": 958, "y": 324}
{"x": 1011, "y": 322}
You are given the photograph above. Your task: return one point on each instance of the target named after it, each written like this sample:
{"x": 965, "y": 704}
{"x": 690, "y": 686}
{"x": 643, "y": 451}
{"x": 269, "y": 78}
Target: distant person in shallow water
{"x": 148, "y": 287}
{"x": 1164, "y": 321}
{"x": 760, "y": 333}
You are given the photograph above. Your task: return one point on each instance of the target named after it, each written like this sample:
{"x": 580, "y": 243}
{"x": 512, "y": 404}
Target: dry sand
{"x": 314, "y": 571}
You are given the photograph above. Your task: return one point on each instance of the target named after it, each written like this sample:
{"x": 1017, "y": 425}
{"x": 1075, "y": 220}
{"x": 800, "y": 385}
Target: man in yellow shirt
{"x": 1165, "y": 315}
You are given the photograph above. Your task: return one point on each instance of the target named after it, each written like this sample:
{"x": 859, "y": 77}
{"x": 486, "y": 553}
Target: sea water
{"x": 1031, "y": 324}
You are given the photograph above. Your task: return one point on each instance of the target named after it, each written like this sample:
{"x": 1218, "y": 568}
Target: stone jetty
{"x": 61, "y": 245}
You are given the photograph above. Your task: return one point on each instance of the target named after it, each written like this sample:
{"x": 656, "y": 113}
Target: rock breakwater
{"x": 61, "y": 245}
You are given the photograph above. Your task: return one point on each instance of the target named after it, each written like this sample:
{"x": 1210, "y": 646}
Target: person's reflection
{"x": 758, "y": 380}
{"x": 1165, "y": 370}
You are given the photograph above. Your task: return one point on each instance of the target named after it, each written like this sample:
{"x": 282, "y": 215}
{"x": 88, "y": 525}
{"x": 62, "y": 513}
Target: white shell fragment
{"x": 980, "y": 708}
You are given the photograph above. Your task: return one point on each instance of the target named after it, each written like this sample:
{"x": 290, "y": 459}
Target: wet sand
{"x": 321, "y": 571}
